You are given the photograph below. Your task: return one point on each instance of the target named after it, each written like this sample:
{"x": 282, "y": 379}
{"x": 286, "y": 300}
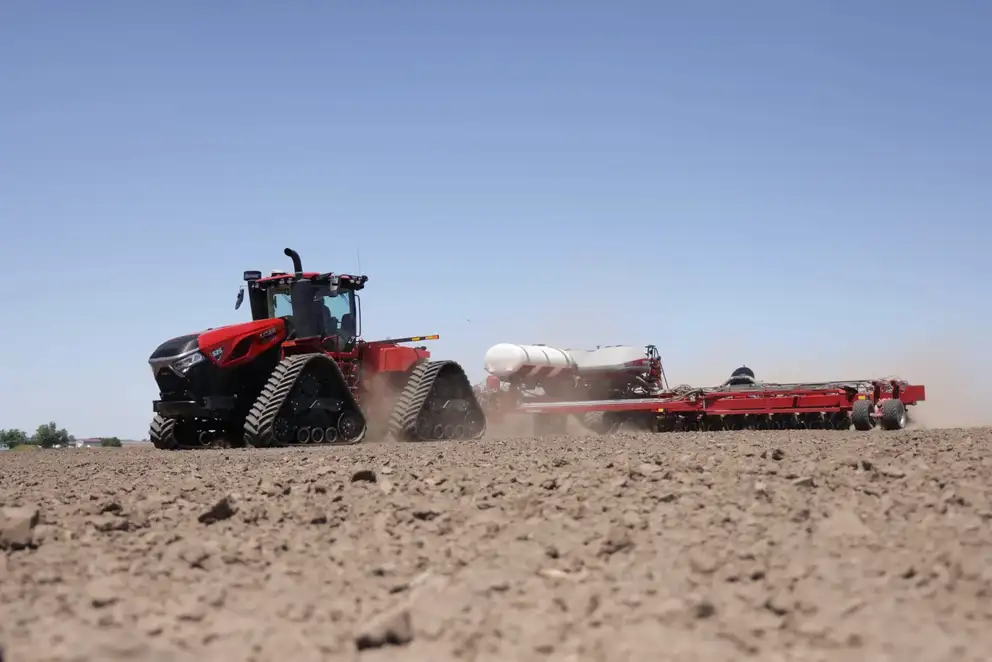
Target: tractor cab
{"x": 324, "y": 305}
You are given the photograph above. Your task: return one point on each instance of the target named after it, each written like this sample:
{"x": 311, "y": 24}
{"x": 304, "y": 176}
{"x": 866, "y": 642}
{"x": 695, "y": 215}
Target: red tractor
{"x": 299, "y": 373}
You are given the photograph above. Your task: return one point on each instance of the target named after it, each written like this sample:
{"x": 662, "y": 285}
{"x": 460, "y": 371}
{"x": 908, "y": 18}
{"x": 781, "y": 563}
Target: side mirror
{"x": 241, "y": 298}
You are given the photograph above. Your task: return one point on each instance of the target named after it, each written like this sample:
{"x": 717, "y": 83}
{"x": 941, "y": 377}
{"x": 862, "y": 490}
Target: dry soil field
{"x": 776, "y": 546}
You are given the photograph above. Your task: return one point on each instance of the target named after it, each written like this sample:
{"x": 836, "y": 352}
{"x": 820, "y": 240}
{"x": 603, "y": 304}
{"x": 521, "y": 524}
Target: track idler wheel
{"x": 350, "y": 428}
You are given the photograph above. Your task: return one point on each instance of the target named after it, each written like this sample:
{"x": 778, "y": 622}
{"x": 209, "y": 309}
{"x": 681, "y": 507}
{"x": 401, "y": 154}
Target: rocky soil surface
{"x": 710, "y": 547}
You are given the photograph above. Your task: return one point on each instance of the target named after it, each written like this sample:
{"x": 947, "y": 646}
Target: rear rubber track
{"x": 437, "y": 403}
{"x": 287, "y": 406}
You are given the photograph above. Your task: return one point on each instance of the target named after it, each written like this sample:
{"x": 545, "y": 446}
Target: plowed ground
{"x": 710, "y": 547}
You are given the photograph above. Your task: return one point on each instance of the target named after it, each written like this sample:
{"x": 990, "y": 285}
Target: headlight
{"x": 183, "y": 365}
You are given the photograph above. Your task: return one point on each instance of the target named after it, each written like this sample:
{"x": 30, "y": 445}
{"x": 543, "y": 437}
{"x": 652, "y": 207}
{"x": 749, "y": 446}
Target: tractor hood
{"x": 176, "y": 347}
{"x": 225, "y": 344}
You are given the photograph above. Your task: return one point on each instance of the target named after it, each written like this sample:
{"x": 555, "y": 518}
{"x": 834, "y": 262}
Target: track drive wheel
{"x": 861, "y": 415}
{"x": 894, "y": 416}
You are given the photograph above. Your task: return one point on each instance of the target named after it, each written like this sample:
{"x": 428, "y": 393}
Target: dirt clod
{"x": 104, "y": 591}
{"x": 393, "y": 628}
{"x": 17, "y": 527}
{"x": 617, "y": 540}
{"x": 363, "y": 476}
{"x": 222, "y": 509}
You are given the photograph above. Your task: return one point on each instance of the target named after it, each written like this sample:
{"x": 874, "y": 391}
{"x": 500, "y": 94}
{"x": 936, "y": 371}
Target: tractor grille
{"x": 203, "y": 380}
{"x": 171, "y": 385}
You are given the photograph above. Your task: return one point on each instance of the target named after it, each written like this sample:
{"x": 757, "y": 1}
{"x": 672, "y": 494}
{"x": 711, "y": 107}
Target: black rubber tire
{"x": 894, "y": 415}
{"x": 170, "y": 434}
{"x": 162, "y": 433}
{"x": 861, "y": 415}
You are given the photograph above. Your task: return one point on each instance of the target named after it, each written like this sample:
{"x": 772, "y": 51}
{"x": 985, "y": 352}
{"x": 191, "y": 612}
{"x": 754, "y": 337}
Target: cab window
{"x": 334, "y": 309}
{"x": 281, "y": 305}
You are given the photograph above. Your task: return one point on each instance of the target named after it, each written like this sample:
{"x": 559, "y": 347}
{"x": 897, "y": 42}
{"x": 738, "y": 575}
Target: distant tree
{"x": 49, "y": 435}
{"x": 14, "y": 438}
{"x": 110, "y": 442}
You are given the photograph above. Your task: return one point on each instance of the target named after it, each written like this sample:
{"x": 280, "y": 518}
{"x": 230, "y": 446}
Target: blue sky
{"x": 761, "y": 181}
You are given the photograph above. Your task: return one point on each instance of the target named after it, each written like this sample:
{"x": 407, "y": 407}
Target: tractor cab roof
{"x": 283, "y": 278}
{"x": 305, "y": 283}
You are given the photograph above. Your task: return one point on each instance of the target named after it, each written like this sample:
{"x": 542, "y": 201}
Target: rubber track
{"x": 260, "y": 420}
{"x": 410, "y": 404}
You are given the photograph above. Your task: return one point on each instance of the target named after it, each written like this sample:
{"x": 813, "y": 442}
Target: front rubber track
{"x": 289, "y": 404}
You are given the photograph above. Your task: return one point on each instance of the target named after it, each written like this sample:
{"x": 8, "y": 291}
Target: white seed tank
{"x": 609, "y": 359}
{"x": 506, "y": 360}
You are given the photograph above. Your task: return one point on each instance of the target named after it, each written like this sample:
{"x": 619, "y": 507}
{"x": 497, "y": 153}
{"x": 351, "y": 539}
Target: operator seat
{"x": 334, "y": 336}
{"x": 349, "y": 329}
{"x": 329, "y": 320}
